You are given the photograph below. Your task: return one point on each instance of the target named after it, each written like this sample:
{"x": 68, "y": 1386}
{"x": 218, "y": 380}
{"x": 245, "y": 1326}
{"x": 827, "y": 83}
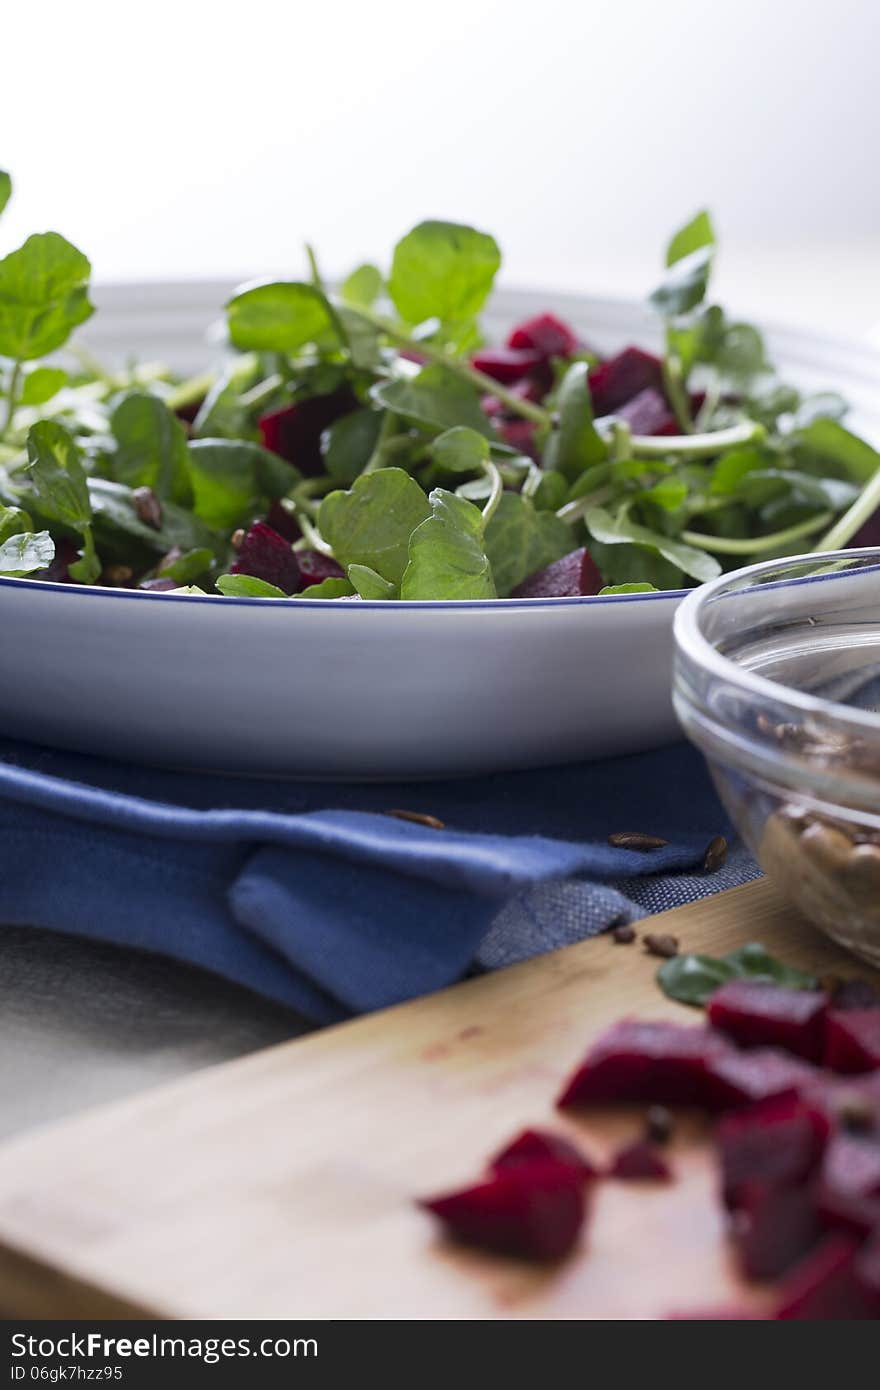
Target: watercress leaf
{"x": 669, "y": 494}
{"x": 436, "y": 398}
{"x": 363, "y": 286}
{"x": 232, "y": 480}
{"x": 25, "y": 552}
{"x": 88, "y": 567}
{"x": 732, "y": 467}
{"x": 13, "y": 521}
{"x": 246, "y": 586}
{"x": 56, "y": 475}
{"x": 151, "y": 447}
{"x": 442, "y": 270}
{"x": 189, "y": 567}
{"x": 460, "y": 450}
{"x": 685, "y": 283}
{"x": 5, "y": 189}
{"x": 348, "y": 444}
{"x": 740, "y": 355}
{"x": 635, "y": 564}
{"x": 363, "y": 339}
{"x": 551, "y": 492}
{"x": 41, "y": 384}
{"x": 609, "y": 530}
{"x": 372, "y": 522}
{"x": 831, "y": 442}
{"x": 328, "y": 588}
{"x": 43, "y": 296}
{"x": 754, "y": 962}
{"x": 371, "y": 585}
{"x": 222, "y": 414}
{"x": 628, "y": 589}
{"x": 693, "y": 236}
{"x": 575, "y": 443}
{"x": 446, "y": 555}
{"x": 117, "y": 523}
{"x": 519, "y": 541}
{"x": 691, "y": 979}
{"x": 764, "y": 485}
{"x": 279, "y": 316}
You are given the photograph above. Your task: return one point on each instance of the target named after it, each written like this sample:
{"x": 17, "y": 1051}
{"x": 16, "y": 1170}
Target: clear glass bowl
{"x": 777, "y": 681}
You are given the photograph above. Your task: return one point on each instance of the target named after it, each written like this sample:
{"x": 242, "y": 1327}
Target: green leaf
{"x": 371, "y": 524}
{"x": 328, "y": 588}
{"x": 222, "y": 415}
{"x": 628, "y": 589}
{"x": 246, "y": 586}
{"x": 691, "y": 979}
{"x": 189, "y": 567}
{"x": 43, "y": 296}
{"x": 56, "y": 475}
{"x": 348, "y": 444}
{"x": 233, "y": 479}
{"x": 88, "y": 568}
{"x": 151, "y": 447}
{"x": 371, "y": 585}
{"x": 13, "y": 521}
{"x": 519, "y": 541}
{"x": 693, "y": 236}
{"x": 684, "y": 285}
{"x": 551, "y": 492}
{"x": 460, "y": 450}
{"x": 831, "y": 442}
{"x": 575, "y": 444}
{"x": 436, "y": 397}
{"x": 442, "y": 270}
{"x": 5, "y": 189}
{"x": 41, "y": 384}
{"x": 611, "y": 530}
{"x": 25, "y": 552}
{"x": 116, "y": 521}
{"x": 740, "y": 355}
{"x": 669, "y": 494}
{"x": 446, "y": 555}
{"x": 363, "y": 286}
{"x": 731, "y": 468}
{"x": 280, "y": 316}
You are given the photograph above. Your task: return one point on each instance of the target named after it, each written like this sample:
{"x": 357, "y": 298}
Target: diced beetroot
{"x": 648, "y": 413}
{"x": 282, "y": 521}
{"x": 851, "y": 1166}
{"x": 545, "y": 334}
{"x": 294, "y": 432}
{"x": 867, "y": 1273}
{"x": 742, "y": 1078}
{"x": 758, "y": 1015}
{"x": 535, "y": 1210}
{"x": 854, "y": 994}
{"x": 774, "y": 1227}
{"x": 823, "y": 1287}
{"x": 640, "y": 1159}
{"x": 573, "y": 575}
{"x": 666, "y": 1063}
{"x": 520, "y": 435}
{"x": 852, "y": 1040}
{"x": 506, "y": 364}
{"x": 188, "y": 413}
{"x": 58, "y": 572}
{"x": 615, "y": 381}
{"x": 266, "y": 555}
{"x": 539, "y": 1145}
{"x": 857, "y": 1215}
{"x": 777, "y": 1141}
{"x": 529, "y": 389}
{"x": 313, "y": 567}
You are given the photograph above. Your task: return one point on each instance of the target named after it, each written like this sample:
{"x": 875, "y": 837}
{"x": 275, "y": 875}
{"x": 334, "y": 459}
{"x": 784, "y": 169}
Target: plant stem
{"x": 14, "y": 388}
{"x": 676, "y": 393}
{"x": 312, "y": 534}
{"x": 696, "y": 446}
{"x": 723, "y": 545}
{"x": 855, "y": 516}
{"x": 495, "y": 495}
{"x": 190, "y": 391}
{"x": 313, "y": 268}
{"x": 262, "y": 391}
{"x": 573, "y": 511}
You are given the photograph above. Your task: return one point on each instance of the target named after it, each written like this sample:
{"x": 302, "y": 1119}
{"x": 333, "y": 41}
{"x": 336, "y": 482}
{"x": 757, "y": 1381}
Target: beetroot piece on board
{"x": 545, "y": 334}
{"x": 866, "y": 1271}
{"x": 506, "y": 365}
{"x": 854, "y": 994}
{"x": 313, "y": 567}
{"x": 640, "y": 1159}
{"x": 573, "y": 575}
{"x": 666, "y": 1063}
{"x": 742, "y": 1078}
{"x": 856, "y": 1215}
{"x": 773, "y": 1228}
{"x": 851, "y": 1166}
{"x": 823, "y": 1287}
{"x": 648, "y": 413}
{"x": 761, "y": 1015}
{"x": 778, "y": 1141}
{"x": 614, "y": 382}
{"x": 539, "y": 1145}
{"x": 266, "y": 555}
{"x": 294, "y": 432}
{"x": 535, "y": 1210}
{"x": 852, "y": 1040}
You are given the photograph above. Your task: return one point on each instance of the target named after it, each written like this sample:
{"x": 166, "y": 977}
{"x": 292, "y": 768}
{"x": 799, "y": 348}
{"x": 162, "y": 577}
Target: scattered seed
{"x": 238, "y": 538}
{"x": 856, "y": 1113}
{"x": 634, "y": 839}
{"x": 148, "y": 507}
{"x": 659, "y": 1124}
{"x": 623, "y": 935}
{"x": 661, "y": 945}
{"x": 416, "y": 816}
{"x": 716, "y": 853}
{"x": 117, "y": 575}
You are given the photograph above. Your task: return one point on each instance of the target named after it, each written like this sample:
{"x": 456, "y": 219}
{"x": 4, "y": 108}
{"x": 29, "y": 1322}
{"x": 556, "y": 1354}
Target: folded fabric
{"x": 311, "y": 894}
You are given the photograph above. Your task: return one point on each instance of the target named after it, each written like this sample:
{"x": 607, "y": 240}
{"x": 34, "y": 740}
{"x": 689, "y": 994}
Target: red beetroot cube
{"x": 758, "y": 1015}
{"x": 539, "y": 1146}
{"x": 773, "y": 1228}
{"x": 852, "y": 1040}
{"x": 851, "y": 1166}
{"x": 282, "y": 521}
{"x": 534, "y": 1210}
{"x": 266, "y": 555}
{"x": 666, "y": 1063}
{"x": 648, "y": 413}
{"x": 855, "y": 1215}
{"x": 520, "y": 435}
{"x": 573, "y": 575}
{"x": 615, "y": 381}
{"x": 506, "y": 364}
{"x": 530, "y": 389}
{"x": 855, "y": 993}
{"x": 546, "y": 335}
{"x": 640, "y": 1159}
{"x": 742, "y": 1078}
{"x": 823, "y": 1286}
{"x": 294, "y": 432}
{"x": 778, "y": 1141}
{"x": 314, "y": 567}
{"x": 866, "y": 1271}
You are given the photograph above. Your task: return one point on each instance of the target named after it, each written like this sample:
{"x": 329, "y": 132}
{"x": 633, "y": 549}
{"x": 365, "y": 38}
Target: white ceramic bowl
{"x": 366, "y": 690}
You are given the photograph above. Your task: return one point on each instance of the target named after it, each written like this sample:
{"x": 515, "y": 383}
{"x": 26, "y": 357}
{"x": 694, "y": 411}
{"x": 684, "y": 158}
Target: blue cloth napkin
{"x": 308, "y": 893}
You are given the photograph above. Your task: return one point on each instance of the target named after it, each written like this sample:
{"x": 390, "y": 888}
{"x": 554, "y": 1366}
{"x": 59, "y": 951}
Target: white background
{"x": 183, "y": 139}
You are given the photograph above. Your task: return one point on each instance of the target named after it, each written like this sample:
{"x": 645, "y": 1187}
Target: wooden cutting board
{"x": 281, "y": 1184}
